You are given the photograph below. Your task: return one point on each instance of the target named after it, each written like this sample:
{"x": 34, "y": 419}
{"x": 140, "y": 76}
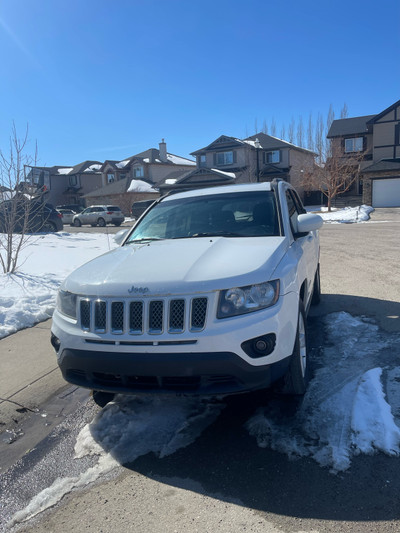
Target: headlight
{"x": 66, "y": 303}
{"x": 241, "y": 300}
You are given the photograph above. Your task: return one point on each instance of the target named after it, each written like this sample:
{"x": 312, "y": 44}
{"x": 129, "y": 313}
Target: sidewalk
{"x": 29, "y": 373}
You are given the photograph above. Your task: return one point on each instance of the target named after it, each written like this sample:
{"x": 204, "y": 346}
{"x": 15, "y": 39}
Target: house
{"x": 377, "y": 139}
{"x": 230, "y": 160}
{"x": 93, "y": 182}
{"x": 65, "y": 185}
{"x": 137, "y": 177}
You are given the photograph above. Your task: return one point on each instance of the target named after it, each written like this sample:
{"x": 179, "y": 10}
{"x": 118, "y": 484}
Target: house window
{"x": 354, "y": 145}
{"x": 224, "y": 158}
{"x": 73, "y": 181}
{"x": 273, "y": 157}
{"x": 110, "y": 178}
{"x": 138, "y": 172}
{"x": 202, "y": 161}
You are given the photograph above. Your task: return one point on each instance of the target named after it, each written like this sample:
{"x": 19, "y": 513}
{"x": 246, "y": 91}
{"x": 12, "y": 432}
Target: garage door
{"x": 386, "y": 193}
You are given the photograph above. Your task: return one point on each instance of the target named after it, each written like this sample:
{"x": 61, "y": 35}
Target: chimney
{"x": 163, "y": 151}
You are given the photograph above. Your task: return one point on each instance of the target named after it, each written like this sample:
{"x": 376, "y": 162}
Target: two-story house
{"x": 137, "y": 178}
{"x": 377, "y": 139}
{"x": 65, "y": 185}
{"x": 229, "y": 160}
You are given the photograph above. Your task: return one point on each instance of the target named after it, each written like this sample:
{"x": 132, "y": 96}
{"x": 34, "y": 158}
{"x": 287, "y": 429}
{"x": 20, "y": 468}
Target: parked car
{"x": 77, "y": 208}
{"x": 138, "y": 208}
{"x": 67, "y": 216}
{"x": 21, "y": 214}
{"x": 99, "y": 215}
{"x": 207, "y": 294}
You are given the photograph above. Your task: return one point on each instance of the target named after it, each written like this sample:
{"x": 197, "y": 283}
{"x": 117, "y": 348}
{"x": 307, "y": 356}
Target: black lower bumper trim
{"x": 192, "y": 373}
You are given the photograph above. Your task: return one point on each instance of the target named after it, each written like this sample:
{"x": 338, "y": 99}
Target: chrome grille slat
{"x": 138, "y": 317}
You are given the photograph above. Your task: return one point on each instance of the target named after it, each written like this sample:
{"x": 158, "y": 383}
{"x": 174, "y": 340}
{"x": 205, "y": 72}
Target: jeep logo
{"x": 135, "y": 290}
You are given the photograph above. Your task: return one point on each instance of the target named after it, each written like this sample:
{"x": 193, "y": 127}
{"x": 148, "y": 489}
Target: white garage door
{"x": 386, "y": 193}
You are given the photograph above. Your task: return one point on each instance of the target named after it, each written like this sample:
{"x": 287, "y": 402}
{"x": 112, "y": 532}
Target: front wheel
{"x": 297, "y": 376}
{"x": 77, "y": 223}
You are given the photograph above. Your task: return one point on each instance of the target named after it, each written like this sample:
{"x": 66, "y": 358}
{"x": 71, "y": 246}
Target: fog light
{"x": 55, "y": 342}
{"x": 260, "y": 346}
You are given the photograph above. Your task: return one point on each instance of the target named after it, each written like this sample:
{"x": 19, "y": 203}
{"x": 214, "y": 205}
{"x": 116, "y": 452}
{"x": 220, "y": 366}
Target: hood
{"x": 181, "y": 266}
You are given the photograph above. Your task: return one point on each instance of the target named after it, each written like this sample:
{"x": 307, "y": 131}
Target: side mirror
{"x": 120, "y": 236}
{"x": 308, "y": 222}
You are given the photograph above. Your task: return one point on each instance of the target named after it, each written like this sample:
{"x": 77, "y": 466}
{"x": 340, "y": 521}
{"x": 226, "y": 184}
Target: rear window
{"x": 113, "y": 208}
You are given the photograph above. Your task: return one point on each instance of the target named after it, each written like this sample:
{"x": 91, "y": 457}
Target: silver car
{"x": 67, "y": 215}
{"x": 99, "y": 215}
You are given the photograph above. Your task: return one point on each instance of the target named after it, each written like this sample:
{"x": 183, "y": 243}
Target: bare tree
{"x": 300, "y": 132}
{"x": 273, "y": 127}
{"x": 291, "y": 131}
{"x": 310, "y": 133}
{"x": 335, "y": 176}
{"x": 17, "y": 210}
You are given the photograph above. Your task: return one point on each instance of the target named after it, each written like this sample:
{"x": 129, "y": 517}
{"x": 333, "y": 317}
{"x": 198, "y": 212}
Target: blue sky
{"x": 98, "y": 79}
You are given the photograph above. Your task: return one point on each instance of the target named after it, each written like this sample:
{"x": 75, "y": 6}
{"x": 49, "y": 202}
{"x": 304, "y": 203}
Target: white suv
{"x": 207, "y": 294}
{"x": 99, "y": 215}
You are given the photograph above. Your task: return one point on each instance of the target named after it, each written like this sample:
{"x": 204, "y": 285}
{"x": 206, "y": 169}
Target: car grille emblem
{"x": 136, "y": 290}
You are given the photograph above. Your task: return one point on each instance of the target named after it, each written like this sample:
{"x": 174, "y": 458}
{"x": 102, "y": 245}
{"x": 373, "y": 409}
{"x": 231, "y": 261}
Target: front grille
{"x": 138, "y": 317}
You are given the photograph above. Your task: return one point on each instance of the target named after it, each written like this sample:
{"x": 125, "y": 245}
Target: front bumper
{"x": 199, "y": 373}
{"x": 208, "y": 362}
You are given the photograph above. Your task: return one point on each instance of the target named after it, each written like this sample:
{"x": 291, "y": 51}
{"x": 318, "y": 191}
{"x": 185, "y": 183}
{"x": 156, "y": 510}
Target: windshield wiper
{"x": 217, "y": 234}
{"x": 145, "y": 239}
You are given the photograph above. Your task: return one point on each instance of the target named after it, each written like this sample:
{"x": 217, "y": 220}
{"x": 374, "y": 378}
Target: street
{"x": 220, "y": 480}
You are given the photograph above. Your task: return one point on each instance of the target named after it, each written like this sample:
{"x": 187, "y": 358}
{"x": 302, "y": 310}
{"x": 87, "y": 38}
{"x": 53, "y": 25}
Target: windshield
{"x": 245, "y": 214}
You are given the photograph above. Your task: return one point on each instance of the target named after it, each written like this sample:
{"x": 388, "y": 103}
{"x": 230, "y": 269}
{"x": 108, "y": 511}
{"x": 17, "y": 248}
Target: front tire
{"x": 77, "y": 223}
{"x": 297, "y": 376}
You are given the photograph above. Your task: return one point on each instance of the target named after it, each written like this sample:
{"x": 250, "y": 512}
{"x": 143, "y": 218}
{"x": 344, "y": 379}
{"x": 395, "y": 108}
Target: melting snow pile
{"x": 345, "y": 411}
{"x": 348, "y": 215}
{"x": 126, "y": 429}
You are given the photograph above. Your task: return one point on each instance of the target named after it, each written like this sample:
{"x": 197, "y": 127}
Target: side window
{"x": 293, "y": 211}
{"x": 298, "y": 203}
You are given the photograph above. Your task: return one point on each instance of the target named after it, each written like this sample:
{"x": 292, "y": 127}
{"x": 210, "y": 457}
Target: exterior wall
{"x": 298, "y": 162}
{"x": 58, "y": 184}
{"x": 367, "y": 184}
{"x": 157, "y": 171}
{"x": 384, "y": 141}
{"x": 89, "y": 182}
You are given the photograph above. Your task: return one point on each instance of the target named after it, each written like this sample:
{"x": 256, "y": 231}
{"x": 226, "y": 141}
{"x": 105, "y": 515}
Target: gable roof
{"x": 349, "y": 126}
{"x": 384, "y": 112}
{"x": 384, "y": 165}
{"x": 221, "y": 143}
{"x": 269, "y": 142}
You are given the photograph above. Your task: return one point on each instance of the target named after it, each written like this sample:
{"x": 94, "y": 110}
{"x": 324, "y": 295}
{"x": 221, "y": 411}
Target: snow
{"x": 180, "y": 160}
{"x": 351, "y": 407}
{"x": 348, "y": 215}
{"x": 93, "y": 168}
{"x": 28, "y": 296}
{"x": 140, "y": 186}
{"x": 122, "y": 164}
{"x": 64, "y": 170}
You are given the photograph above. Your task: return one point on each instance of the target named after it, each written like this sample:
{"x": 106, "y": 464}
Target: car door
{"x": 85, "y": 216}
{"x": 306, "y": 244}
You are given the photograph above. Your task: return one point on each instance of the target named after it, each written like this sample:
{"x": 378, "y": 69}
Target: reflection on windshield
{"x": 246, "y": 214}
